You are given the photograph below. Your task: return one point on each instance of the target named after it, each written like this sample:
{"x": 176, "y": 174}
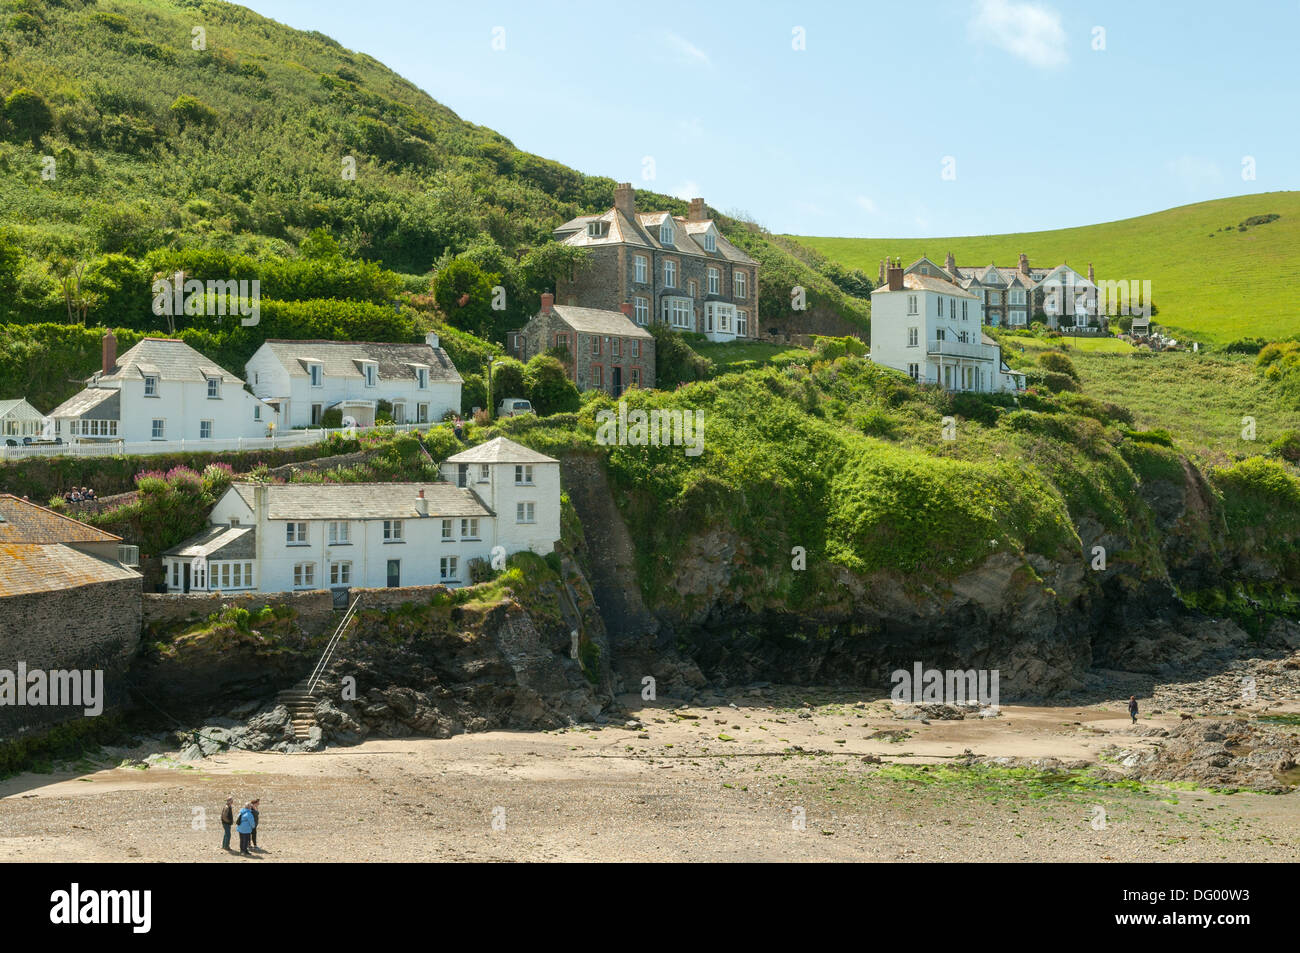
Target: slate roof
{"x": 168, "y": 358}
{"x": 25, "y": 411}
{"x": 500, "y": 450}
{"x": 106, "y": 402}
{"x": 914, "y": 282}
{"x": 599, "y": 321}
{"x": 361, "y": 501}
{"x": 644, "y": 233}
{"x": 25, "y": 522}
{"x": 219, "y": 542}
{"x": 27, "y": 568}
{"x": 344, "y": 359}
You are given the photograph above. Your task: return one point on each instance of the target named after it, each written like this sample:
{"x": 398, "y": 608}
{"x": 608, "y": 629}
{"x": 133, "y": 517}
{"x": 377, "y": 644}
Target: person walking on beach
{"x": 227, "y": 821}
{"x": 1133, "y": 708}
{"x": 245, "y": 828}
{"x": 253, "y": 807}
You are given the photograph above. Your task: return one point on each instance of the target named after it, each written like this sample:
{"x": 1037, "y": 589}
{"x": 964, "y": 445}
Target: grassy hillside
{"x": 1218, "y": 285}
{"x": 251, "y": 144}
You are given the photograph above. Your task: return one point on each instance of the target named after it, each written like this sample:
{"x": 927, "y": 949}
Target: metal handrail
{"x": 319, "y": 670}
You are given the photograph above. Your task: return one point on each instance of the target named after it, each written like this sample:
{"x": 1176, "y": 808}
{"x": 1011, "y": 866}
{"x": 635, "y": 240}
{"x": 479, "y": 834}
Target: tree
{"x": 675, "y": 362}
{"x": 320, "y": 245}
{"x": 548, "y": 388}
{"x": 191, "y": 111}
{"x": 9, "y": 263}
{"x": 507, "y": 380}
{"x": 464, "y": 294}
{"x": 28, "y": 114}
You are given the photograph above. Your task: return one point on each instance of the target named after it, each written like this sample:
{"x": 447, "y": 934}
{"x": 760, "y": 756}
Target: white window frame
{"x": 670, "y": 274}
{"x": 205, "y": 424}
{"x": 640, "y": 269}
{"x": 710, "y": 243}
{"x": 448, "y": 567}
{"x": 523, "y": 474}
{"x": 469, "y": 527}
{"x": 742, "y": 323}
{"x": 304, "y": 575}
{"x": 158, "y": 428}
{"x": 913, "y": 337}
{"x": 740, "y": 285}
{"x": 642, "y": 311}
{"x": 393, "y": 531}
{"x": 316, "y": 373}
{"x": 911, "y": 304}
{"x": 341, "y": 573}
{"x": 151, "y": 385}
{"x": 214, "y": 388}
{"x": 714, "y": 276}
{"x": 340, "y": 533}
{"x": 525, "y": 512}
{"x": 295, "y": 533}
{"x": 448, "y": 531}
{"x": 666, "y": 233}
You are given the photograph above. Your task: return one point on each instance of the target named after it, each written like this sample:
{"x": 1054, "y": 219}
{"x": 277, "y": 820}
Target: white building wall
{"x": 182, "y": 405}
{"x": 503, "y": 496}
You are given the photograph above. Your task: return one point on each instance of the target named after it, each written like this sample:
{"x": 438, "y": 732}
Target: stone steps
{"x": 302, "y": 708}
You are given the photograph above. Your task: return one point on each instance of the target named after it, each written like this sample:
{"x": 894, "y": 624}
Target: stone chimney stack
{"x": 880, "y": 280}
{"x": 110, "y": 353}
{"x": 951, "y": 264}
{"x": 421, "y": 503}
{"x": 625, "y": 200}
{"x": 1092, "y": 277}
{"x": 548, "y": 302}
{"x": 626, "y": 308}
{"x": 896, "y": 275}
{"x": 697, "y": 212}
{"x": 1024, "y": 264}
{"x": 432, "y": 339}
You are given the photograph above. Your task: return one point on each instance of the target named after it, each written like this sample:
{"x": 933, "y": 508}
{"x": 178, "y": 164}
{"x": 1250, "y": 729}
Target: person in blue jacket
{"x": 245, "y": 826}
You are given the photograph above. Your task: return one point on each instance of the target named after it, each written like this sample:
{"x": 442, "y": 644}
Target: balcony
{"x": 958, "y": 349}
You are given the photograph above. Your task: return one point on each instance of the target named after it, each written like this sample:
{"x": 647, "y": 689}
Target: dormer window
{"x": 371, "y": 373}
{"x": 214, "y": 388}
{"x": 595, "y": 229}
{"x": 317, "y": 374}
{"x": 666, "y": 233}
{"x": 710, "y": 243}
{"x": 150, "y": 386}
{"x": 422, "y": 377}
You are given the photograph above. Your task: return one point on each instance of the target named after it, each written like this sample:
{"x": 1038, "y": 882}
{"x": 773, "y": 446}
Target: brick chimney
{"x": 625, "y": 199}
{"x": 548, "y": 302}
{"x": 951, "y": 264}
{"x": 1024, "y": 264}
{"x": 110, "y": 353}
{"x": 697, "y": 212}
{"x": 626, "y": 308}
{"x": 896, "y": 275}
{"x": 421, "y": 503}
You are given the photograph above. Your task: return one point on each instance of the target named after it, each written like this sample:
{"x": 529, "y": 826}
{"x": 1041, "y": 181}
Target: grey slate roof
{"x": 916, "y": 282}
{"x": 93, "y": 403}
{"x": 170, "y": 359}
{"x": 500, "y": 450}
{"x": 362, "y": 501}
{"x": 644, "y": 233}
{"x": 27, "y": 568}
{"x": 343, "y": 359}
{"x": 598, "y": 321}
{"x": 219, "y": 542}
{"x": 22, "y": 521}
{"x": 20, "y": 409}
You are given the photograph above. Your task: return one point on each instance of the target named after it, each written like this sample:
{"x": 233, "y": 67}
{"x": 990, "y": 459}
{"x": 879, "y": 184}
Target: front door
{"x": 316, "y": 412}
{"x": 616, "y": 381}
{"x": 185, "y": 577}
{"x": 462, "y": 474}
{"x": 394, "y": 573}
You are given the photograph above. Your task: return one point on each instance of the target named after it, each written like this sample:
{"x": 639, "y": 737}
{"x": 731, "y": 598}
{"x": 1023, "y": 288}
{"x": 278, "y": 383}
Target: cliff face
{"x": 1042, "y": 623}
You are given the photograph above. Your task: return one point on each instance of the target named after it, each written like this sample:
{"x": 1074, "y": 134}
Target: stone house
{"x": 676, "y": 271}
{"x": 601, "y": 350}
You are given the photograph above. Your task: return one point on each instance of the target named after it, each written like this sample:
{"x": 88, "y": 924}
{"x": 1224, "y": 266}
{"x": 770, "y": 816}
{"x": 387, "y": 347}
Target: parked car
{"x": 514, "y": 407}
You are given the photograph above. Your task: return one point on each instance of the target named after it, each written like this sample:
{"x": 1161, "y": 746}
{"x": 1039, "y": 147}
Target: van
{"x": 514, "y": 407}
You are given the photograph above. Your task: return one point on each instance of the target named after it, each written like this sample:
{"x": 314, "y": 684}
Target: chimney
{"x": 896, "y": 275}
{"x": 697, "y": 212}
{"x": 626, "y": 308}
{"x": 431, "y": 339}
{"x": 110, "y": 353}
{"x": 421, "y": 504}
{"x": 548, "y": 302}
{"x": 880, "y": 280}
{"x": 625, "y": 199}
{"x": 1024, "y": 264}
{"x": 1092, "y": 278}
{"x": 951, "y": 264}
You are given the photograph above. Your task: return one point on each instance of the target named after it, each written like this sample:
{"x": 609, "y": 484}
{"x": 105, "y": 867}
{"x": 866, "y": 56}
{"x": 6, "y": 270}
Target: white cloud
{"x": 687, "y": 190}
{"x": 688, "y": 50}
{"x": 865, "y": 204}
{"x": 1196, "y": 173}
{"x": 1028, "y": 30}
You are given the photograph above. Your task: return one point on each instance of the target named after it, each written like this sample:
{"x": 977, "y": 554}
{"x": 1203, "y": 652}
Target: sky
{"x": 951, "y": 117}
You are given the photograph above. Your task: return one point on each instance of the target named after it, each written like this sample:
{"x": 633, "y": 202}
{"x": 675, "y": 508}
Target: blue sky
{"x": 849, "y": 135}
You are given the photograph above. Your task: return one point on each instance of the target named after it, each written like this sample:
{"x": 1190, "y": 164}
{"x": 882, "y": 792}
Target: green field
{"x": 1217, "y": 285}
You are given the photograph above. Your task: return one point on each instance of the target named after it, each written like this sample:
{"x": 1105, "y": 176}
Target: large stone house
{"x": 600, "y": 350}
{"x": 1012, "y": 297}
{"x": 677, "y": 271}
{"x": 498, "y": 498}
{"x": 304, "y": 379}
{"x": 931, "y": 328}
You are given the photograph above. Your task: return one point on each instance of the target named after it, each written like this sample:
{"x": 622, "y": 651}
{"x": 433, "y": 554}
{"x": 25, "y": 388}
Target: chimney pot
{"x": 548, "y": 302}
{"x": 110, "y": 353}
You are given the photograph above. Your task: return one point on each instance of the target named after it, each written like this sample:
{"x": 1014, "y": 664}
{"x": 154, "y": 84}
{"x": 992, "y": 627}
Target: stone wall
{"x": 95, "y": 627}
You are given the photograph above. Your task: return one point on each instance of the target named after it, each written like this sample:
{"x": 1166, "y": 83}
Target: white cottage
{"x": 304, "y": 379}
{"x": 932, "y": 330}
{"x": 160, "y": 390}
{"x": 19, "y": 420}
{"x": 299, "y": 536}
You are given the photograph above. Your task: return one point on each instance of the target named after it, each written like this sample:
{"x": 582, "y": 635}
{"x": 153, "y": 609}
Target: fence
{"x": 117, "y": 448}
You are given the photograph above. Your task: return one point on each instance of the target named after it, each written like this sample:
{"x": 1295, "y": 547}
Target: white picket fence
{"x": 114, "y": 448}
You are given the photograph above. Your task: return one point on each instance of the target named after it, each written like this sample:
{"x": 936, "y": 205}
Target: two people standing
{"x": 245, "y": 824}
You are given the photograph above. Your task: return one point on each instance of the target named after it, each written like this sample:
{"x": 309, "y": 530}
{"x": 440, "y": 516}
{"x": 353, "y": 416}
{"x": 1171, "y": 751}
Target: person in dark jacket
{"x": 1133, "y": 708}
{"x": 245, "y": 827}
{"x": 253, "y": 806}
{"x": 227, "y": 821}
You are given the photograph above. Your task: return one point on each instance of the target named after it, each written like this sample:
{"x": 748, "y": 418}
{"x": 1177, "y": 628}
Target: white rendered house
{"x": 932, "y": 330}
{"x": 301, "y": 536}
{"x": 160, "y": 390}
{"x": 306, "y": 378}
